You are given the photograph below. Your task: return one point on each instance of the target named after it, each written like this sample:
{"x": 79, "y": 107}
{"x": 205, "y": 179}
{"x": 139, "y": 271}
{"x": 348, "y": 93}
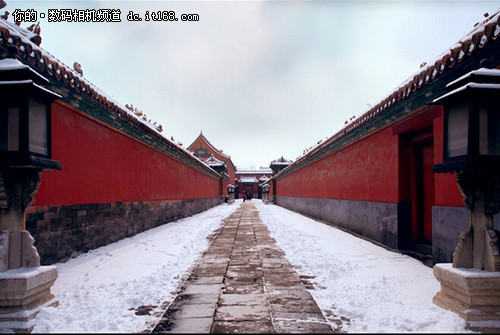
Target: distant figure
{"x": 244, "y": 195}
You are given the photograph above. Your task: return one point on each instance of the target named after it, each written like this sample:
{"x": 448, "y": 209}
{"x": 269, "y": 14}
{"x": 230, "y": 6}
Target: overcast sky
{"x": 261, "y": 79}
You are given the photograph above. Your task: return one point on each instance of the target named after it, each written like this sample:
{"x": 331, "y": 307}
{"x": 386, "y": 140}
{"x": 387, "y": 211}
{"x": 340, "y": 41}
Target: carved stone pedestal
{"x": 24, "y": 284}
{"x": 230, "y": 193}
{"x": 22, "y": 292}
{"x": 473, "y": 294}
{"x": 471, "y": 285}
{"x": 265, "y": 198}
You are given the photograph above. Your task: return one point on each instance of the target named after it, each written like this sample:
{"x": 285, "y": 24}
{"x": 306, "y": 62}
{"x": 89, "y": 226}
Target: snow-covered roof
{"x": 264, "y": 178}
{"x": 11, "y": 65}
{"x": 43, "y": 61}
{"x": 262, "y": 170}
{"x": 205, "y": 140}
{"x": 281, "y": 161}
{"x": 482, "y": 72}
{"x": 49, "y": 67}
{"x": 213, "y": 161}
{"x": 28, "y": 34}
{"x": 248, "y": 180}
{"x": 476, "y": 39}
{"x": 8, "y": 64}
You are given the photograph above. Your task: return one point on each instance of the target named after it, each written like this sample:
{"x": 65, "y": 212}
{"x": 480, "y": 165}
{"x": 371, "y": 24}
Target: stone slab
{"x": 205, "y": 280}
{"x": 245, "y": 282}
{"x": 196, "y": 311}
{"x": 243, "y": 313}
{"x": 202, "y": 288}
{"x": 185, "y": 326}
{"x": 242, "y": 288}
{"x": 293, "y": 326}
{"x": 242, "y": 327}
{"x": 308, "y": 317}
{"x": 243, "y": 299}
{"x": 197, "y": 298}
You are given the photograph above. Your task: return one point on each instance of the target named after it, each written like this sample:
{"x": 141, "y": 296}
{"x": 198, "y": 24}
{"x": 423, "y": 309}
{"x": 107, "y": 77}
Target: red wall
{"x": 367, "y": 170}
{"x": 360, "y": 171}
{"x": 101, "y": 165}
{"x": 230, "y": 169}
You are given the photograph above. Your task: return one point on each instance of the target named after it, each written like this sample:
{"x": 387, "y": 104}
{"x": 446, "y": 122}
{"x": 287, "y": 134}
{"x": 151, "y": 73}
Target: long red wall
{"x": 357, "y": 172}
{"x": 367, "y": 170}
{"x": 102, "y": 165}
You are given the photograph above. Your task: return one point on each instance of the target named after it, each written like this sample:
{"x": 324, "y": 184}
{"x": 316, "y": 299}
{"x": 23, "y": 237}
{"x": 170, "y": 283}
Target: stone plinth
{"x": 265, "y": 198}
{"x": 22, "y": 291}
{"x": 473, "y": 294}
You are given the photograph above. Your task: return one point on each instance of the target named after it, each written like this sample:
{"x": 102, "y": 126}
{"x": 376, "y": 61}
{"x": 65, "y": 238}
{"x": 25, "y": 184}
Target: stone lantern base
{"x": 471, "y": 293}
{"x": 22, "y": 292}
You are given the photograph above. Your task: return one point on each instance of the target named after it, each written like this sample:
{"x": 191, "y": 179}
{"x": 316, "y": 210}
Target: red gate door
{"x": 422, "y": 195}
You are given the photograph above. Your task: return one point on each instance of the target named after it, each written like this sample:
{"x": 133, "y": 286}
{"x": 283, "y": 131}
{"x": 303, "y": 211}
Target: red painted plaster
{"x": 364, "y": 171}
{"x": 367, "y": 170}
{"x": 101, "y": 165}
{"x": 230, "y": 170}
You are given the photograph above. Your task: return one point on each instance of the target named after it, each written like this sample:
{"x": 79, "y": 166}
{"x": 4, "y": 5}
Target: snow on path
{"x": 97, "y": 291}
{"x": 379, "y": 290}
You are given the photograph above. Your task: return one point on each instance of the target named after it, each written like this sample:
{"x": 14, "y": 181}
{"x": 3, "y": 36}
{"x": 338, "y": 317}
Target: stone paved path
{"x": 243, "y": 283}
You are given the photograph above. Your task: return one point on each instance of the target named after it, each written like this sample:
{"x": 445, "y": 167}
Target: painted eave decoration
{"x": 480, "y": 36}
{"x": 31, "y": 54}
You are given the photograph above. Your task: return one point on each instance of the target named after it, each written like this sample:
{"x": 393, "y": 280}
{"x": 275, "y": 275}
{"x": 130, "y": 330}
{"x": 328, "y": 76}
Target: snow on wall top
{"x": 213, "y": 161}
{"x": 477, "y": 38}
{"x": 248, "y": 180}
{"x": 45, "y": 63}
{"x": 9, "y": 64}
{"x": 261, "y": 171}
{"x": 280, "y": 161}
{"x": 491, "y": 73}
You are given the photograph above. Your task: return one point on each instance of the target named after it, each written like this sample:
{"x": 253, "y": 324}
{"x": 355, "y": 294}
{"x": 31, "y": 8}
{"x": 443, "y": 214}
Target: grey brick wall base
{"x": 385, "y": 223}
{"x": 62, "y": 232}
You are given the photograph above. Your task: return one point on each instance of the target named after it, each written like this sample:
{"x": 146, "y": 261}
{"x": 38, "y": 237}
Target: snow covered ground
{"x": 376, "y": 289}
{"x": 98, "y": 291}
{"x": 380, "y": 291}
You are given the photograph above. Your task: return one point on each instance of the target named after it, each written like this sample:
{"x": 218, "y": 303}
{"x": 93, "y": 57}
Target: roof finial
{"x": 78, "y": 68}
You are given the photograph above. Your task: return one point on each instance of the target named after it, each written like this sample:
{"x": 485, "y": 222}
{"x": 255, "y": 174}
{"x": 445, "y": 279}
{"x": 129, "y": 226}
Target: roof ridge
{"x": 47, "y": 64}
{"x": 478, "y": 37}
{"x": 41, "y": 58}
{"x": 209, "y": 144}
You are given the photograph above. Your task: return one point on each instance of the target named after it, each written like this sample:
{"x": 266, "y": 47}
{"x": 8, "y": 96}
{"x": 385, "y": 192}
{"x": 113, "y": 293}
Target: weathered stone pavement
{"x": 244, "y": 284}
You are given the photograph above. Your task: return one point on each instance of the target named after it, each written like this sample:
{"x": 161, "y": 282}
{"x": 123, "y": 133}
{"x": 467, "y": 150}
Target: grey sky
{"x": 262, "y": 79}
